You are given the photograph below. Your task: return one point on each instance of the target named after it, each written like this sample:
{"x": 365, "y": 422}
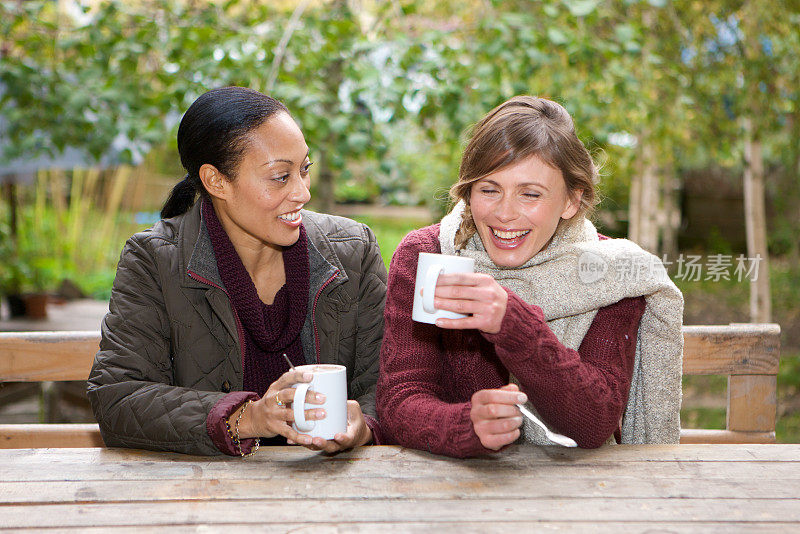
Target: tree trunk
{"x": 644, "y": 203}
{"x": 756, "y": 225}
{"x": 669, "y": 219}
{"x": 635, "y": 204}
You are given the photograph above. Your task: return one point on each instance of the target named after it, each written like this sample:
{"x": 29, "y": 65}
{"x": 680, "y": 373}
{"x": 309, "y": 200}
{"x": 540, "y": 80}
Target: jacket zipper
{"x": 314, "y": 313}
{"x": 239, "y": 329}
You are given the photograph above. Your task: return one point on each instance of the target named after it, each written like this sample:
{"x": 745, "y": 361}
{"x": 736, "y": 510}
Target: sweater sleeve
{"x": 216, "y": 422}
{"x": 410, "y": 398}
{"x": 583, "y": 393}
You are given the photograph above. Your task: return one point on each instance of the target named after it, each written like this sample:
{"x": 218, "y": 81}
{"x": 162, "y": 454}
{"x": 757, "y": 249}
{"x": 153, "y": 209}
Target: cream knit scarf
{"x": 575, "y": 276}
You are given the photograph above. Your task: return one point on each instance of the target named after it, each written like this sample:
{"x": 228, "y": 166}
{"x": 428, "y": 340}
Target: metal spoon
{"x": 552, "y": 436}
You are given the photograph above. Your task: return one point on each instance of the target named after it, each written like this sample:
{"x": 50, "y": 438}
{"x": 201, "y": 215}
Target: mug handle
{"x": 431, "y": 277}
{"x": 299, "y": 407}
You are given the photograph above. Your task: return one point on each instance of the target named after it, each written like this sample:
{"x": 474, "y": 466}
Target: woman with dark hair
{"x": 209, "y": 303}
{"x": 586, "y": 330}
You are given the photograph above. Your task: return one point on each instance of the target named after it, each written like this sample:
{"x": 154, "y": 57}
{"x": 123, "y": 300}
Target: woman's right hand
{"x": 475, "y": 294}
{"x": 266, "y": 418}
{"x": 495, "y": 416}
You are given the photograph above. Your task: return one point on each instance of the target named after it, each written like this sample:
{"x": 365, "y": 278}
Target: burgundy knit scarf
{"x": 269, "y": 330}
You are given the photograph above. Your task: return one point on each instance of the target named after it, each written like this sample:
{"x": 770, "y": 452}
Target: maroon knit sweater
{"x": 428, "y": 374}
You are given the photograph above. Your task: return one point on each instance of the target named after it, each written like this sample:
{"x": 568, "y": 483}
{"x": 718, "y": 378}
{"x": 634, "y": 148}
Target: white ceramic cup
{"x": 331, "y": 381}
{"x": 429, "y": 267}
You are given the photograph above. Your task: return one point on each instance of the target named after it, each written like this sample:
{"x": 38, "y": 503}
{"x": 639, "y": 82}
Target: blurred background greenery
{"x": 673, "y": 97}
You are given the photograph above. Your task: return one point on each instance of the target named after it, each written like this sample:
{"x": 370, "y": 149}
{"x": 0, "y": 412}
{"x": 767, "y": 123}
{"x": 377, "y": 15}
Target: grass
{"x": 389, "y": 231}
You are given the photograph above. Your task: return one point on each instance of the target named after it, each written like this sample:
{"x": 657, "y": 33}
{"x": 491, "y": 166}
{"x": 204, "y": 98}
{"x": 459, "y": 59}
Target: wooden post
{"x": 756, "y": 225}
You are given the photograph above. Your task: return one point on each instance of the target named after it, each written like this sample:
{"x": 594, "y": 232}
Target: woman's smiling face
{"x": 517, "y": 210}
{"x": 262, "y": 204}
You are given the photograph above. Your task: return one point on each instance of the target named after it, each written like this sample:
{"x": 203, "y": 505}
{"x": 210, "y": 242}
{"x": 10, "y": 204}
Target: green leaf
{"x": 556, "y": 36}
{"x": 581, "y": 8}
{"x": 551, "y": 10}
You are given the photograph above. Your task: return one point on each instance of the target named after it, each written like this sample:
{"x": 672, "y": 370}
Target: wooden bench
{"x": 45, "y": 357}
{"x": 747, "y": 353}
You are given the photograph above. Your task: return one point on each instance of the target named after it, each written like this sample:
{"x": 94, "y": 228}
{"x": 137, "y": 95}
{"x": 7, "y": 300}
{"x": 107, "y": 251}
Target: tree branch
{"x": 284, "y": 42}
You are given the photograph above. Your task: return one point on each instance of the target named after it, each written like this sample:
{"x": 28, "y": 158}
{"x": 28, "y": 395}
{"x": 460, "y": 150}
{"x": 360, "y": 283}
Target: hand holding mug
{"x": 430, "y": 268}
{"x": 475, "y": 294}
{"x": 356, "y": 435}
{"x": 272, "y": 414}
{"x": 343, "y": 426}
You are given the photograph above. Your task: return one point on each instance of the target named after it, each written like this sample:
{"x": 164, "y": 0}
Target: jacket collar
{"x": 323, "y": 260}
{"x": 197, "y": 252}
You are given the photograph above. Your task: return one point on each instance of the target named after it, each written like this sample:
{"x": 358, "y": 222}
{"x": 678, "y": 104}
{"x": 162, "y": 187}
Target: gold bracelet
{"x": 235, "y": 434}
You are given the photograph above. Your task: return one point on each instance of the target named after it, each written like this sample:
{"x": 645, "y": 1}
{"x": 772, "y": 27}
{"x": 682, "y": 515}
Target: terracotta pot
{"x": 36, "y": 306}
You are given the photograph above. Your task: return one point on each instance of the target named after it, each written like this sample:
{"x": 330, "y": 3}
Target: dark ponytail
{"x": 214, "y": 130}
{"x": 180, "y": 199}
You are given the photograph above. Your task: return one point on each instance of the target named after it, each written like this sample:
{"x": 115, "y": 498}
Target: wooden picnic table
{"x": 664, "y": 488}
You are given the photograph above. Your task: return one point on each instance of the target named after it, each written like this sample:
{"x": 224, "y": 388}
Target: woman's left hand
{"x": 475, "y": 293}
{"x": 357, "y": 433}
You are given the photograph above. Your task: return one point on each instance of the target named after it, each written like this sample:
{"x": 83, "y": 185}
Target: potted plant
{"x": 10, "y": 287}
{"x": 38, "y": 280}
{"x": 25, "y": 279}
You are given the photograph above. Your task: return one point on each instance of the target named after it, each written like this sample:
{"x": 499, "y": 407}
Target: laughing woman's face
{"x": 517, "y": 210}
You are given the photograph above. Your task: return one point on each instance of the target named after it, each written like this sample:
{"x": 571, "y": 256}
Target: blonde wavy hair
{"x": 517, "y": 129}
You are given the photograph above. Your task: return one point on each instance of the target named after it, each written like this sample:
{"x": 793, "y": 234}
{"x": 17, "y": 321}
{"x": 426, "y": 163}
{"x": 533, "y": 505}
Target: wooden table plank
{"x": 514, "y": 456}
{"x": 256, "y": 471}
{"x": 460, "y": 527}
{"x": 495, "y": 487}
{"x": 691, "y": 488}
{"x": 399, "y": 511}
{"x": 396, "y": 463}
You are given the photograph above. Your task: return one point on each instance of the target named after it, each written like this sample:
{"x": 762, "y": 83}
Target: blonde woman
{"x": 556, "y": 317}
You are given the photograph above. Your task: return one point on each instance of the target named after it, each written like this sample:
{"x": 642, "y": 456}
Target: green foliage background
{"x": 385, "y": 91}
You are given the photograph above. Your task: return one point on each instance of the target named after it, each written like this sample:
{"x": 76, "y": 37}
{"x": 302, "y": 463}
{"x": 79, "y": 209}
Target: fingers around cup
{"x": 287, "y": 396}
{"x": 298, "y": 405}
{"x": 431, "y": 276}
{"x": 312, "y": 397}
{"x": 315, "y": 414}
{"x": 291, "y": 377}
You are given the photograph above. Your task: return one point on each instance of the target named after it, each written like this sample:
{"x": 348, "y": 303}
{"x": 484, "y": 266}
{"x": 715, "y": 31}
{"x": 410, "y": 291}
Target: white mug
{"x": 331, "y": 381}
{"x": 429, "y": 267}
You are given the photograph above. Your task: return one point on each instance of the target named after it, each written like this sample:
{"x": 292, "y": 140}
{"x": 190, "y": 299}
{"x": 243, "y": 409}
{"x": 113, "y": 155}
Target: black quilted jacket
{"x": 170, "y": 346}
